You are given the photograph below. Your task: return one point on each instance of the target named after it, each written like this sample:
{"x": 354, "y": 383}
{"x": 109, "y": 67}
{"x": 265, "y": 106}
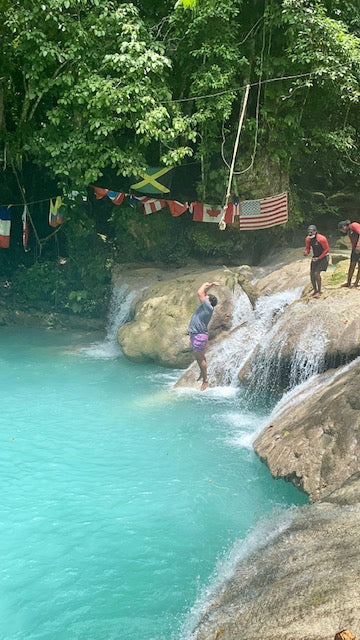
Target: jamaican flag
{"x": 155, "y": 181}
{"x": 177, "y": 183}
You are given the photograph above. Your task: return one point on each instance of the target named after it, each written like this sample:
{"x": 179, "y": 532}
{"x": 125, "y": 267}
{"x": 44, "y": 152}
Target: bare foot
{"x": 317, "y": 294}
{"x": 355, "y": 285}
{"x": 346, "y": 284}
{"x": 204, "y": 385}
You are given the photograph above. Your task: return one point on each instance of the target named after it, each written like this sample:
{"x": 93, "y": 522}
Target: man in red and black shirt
{"x": 352, "y": 229}
{"x": 320, "y": 260}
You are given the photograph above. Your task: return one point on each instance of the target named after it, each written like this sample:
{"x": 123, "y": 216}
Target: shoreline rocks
{"x": 299, "y": 584}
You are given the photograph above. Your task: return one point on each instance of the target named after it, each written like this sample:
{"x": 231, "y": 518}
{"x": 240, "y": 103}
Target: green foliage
{"x": 84, "y": 87}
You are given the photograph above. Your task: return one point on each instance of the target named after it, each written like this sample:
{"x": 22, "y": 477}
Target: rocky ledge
{"x": 300, "y": 582}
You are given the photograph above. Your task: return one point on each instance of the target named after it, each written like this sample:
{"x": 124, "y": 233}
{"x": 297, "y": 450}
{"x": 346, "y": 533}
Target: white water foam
{"x": 231, "y": 354}
{"x": 309, "y": 355}
{"x": 242, "y": 309}
{"x": 119, "y": 313}
{"x": 265, "y": 531}
{"x": 244, "y": 428}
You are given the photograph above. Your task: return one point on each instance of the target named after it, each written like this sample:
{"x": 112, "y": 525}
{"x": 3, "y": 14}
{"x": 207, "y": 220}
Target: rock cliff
{"x": 301, "y": 583}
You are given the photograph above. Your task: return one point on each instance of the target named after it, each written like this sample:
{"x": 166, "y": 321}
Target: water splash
{"x": 119, "y": 313}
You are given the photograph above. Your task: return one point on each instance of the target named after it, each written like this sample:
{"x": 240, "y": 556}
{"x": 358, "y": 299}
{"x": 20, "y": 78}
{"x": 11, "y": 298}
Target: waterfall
{"x": 242, "y": 309}
{"x": 309, "y": 356}
{"x": 269, "y": 368}
{"x": 231, "y": 354}
{"x": 119, "y": 312}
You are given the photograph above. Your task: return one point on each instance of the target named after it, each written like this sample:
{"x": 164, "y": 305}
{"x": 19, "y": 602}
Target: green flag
{"x": 155, "y": 181}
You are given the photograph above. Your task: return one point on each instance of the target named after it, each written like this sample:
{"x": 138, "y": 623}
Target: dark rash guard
{"x": 318, "y": 244}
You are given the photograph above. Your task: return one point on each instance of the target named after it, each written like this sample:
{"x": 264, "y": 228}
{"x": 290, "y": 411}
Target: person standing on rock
{"x": 352, "y": 229}
{"x": 198, "y": 328}
{"x": 320, "y": 260}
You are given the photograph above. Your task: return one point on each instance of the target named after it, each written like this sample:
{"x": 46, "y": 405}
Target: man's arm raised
{"x": 202, "y": 291}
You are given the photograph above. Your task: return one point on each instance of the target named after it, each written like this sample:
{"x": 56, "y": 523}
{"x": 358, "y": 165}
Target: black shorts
{"x": 320, "y": 265}
{"x": 355, "y": 257}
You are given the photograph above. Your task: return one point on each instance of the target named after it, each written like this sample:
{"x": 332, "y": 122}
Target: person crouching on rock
{"x": 198, "y": 328}
{"x": 352, "y": 229}
{"x": 320, "y": 260}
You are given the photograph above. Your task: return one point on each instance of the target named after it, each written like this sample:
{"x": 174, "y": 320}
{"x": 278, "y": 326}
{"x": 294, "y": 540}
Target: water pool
{"x": 118, "y": 493}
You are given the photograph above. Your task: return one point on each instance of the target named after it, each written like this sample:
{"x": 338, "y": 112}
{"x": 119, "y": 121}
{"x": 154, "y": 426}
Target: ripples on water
{"x": 118, "y": 493}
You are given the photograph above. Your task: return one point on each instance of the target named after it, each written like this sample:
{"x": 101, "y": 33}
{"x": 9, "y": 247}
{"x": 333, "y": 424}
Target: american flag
{"x": 263, "y": 213}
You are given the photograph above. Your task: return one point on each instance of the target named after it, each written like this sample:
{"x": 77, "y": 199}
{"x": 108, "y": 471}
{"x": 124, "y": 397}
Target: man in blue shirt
{"x": 198, "y": 328}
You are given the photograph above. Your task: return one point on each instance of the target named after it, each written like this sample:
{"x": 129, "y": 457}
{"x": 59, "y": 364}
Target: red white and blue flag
{"x": 263, "y": 213}
{"x": 5, "y": 226}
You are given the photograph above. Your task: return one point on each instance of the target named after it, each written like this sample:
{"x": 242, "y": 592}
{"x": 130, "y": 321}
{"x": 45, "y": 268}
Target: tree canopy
{"x": 88, "y": 85}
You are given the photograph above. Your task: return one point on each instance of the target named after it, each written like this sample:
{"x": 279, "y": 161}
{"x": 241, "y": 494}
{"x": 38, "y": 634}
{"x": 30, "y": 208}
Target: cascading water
{"x": 119, "y": 313}
{"x": 228, "y": 357}
{"x": 308, "y": 357}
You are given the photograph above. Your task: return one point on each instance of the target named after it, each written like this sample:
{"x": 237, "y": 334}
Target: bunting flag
{"x": 177, "y": 208}
{"x": 151, "y": 205}
{"x": 156, "y": 181}
{"x": 25, "y": 227}
{"x": 116, "y": 197}
{"x": 263, "y": 213}
{"x": 206, "y": 213}
{"x": 5, "y": 226}
{"x": 55, "y": 218}
{"x": 100, "y": 192}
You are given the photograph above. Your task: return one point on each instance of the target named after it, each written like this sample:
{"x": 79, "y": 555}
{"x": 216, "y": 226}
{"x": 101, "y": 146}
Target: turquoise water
{"x": 118, "y": 494}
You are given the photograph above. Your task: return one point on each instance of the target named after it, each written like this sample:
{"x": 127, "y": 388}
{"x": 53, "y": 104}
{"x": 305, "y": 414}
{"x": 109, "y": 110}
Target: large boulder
{"x": 313, "y": 437}
{"x": 298, "y": 581}
{"x": 159, "y": 330}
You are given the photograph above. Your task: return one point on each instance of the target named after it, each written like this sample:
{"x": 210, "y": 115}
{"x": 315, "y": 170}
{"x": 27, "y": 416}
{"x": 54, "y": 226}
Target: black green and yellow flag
{"x": 154, "y": 181}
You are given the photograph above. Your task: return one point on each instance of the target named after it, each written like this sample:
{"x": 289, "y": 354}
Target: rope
{"x": 257, "y": 110}
{"x": 222, "y": 223}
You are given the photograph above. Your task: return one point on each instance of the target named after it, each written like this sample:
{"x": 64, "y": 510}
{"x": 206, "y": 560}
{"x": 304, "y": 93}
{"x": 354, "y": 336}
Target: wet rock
{"x": 159, "y": 330}
{"x": 313, "y": 438}
{"x": 298, "y": 583}
{"x": 327, "y": 328}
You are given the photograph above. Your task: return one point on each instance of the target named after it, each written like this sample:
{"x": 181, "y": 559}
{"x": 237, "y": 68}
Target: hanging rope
{"x": 222, "y": 223}
{"x": 257, "y": 110}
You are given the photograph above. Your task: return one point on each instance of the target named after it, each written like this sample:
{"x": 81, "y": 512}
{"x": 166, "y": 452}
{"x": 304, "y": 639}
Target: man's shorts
{"x": 320, "y": 265}
{"x": 199, "y": 341}
{"x": 355, "y": 257}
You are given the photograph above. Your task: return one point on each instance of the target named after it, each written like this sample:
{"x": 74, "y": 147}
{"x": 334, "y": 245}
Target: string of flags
{"x": 55, "y": 219}
{"x": 252, "y": 214}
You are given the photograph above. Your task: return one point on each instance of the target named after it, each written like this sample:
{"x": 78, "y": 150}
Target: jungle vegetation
{"x": 90, "y": 88}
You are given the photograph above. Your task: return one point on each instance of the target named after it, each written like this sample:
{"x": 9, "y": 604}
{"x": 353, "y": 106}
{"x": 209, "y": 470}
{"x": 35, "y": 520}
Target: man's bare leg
{"x": 356, "y": 283}
{"x": 350, "y": 275}
{"x": 317, "y": 293}
{"x": 201, "y": 360}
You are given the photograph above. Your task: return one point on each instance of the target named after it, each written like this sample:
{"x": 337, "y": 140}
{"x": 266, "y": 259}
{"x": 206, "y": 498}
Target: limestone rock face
{"x": 313, "y": 440}
{"x": 158, "y": 332}
{"x": 301, "y": 583}
{"x": 287, "y": 276}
